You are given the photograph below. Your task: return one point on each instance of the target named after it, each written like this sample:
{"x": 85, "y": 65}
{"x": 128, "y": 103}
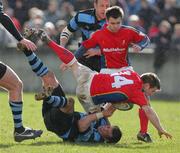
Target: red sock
{"x": 143, "y": 121}
{"x": 64, "y": 55}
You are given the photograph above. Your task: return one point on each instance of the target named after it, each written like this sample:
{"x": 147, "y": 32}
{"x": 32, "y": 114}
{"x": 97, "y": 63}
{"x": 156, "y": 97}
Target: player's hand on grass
{"x": 28, "y": 44}
{"x": 163, "y": 132}
{"x": 92, "y": 52}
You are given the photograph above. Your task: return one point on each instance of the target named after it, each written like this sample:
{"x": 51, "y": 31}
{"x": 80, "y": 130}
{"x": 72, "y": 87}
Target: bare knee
{"x": 19, "y": 85}
{"x": 15, "y": 90}
{"x": 16, "y": 87}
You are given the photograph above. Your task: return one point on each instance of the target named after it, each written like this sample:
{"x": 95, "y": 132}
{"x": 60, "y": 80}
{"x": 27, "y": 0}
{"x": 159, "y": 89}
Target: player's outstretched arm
{"x": 84, "y": 123}
{"x": 153, "y": 117}
{"x": 9, "y": 25}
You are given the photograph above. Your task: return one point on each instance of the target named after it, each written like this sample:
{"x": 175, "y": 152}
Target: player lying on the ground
{"x": 98, "y": 88}
{"x": 58, "y": 111}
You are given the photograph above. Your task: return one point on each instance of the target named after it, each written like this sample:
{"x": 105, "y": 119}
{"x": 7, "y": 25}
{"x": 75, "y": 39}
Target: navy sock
{"x": 36, "y": 64}
{"x": 56, "y": 101}
{"x": 16, "y": 108}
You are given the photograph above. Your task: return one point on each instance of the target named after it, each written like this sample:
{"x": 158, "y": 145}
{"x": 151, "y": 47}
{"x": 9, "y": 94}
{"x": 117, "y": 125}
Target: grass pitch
{"x": 169, "y": 112}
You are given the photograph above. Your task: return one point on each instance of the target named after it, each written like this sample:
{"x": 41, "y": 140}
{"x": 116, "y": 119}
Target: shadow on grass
{"x": 45, "y": 143}
{"x": 4, "y": 146}
{"x": 134, "y": 145}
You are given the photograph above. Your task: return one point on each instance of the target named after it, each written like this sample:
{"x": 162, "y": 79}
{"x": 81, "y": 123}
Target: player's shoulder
{"x": 86, "y": 16}
{"x": 128, "y": 28}
{"x": 136, "y": 76}
{"x": 97, "y": 33}
{"x": 87, "y": 12}
{"x": 134, "y": 73}
{"x": 130, "y": 73}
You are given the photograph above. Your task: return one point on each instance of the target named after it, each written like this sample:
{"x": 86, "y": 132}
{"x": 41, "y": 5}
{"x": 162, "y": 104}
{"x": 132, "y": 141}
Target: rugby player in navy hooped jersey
{"x": 12, "y": 83}
{"x": 114, "y": 41}
{"x": 58, "y": 110}
{"x": 87, "y": 22}
{"x": 97, "y": 88}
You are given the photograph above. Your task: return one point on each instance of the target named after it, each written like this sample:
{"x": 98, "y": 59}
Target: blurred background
{"x": 159, "y": 19}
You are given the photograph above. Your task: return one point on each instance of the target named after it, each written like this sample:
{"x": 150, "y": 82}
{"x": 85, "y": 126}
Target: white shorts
{"x": 84, "y": 78}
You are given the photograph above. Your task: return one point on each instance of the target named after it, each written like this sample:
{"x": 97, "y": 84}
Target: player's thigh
{"x": 56, "y": 120}
{"x": 9, "y": 78}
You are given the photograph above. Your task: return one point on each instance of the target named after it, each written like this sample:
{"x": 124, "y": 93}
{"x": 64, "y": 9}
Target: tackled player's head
{"x": 152, "y": 79}
{"x": 111, "y": 134}
{"x": 151, "y": 83}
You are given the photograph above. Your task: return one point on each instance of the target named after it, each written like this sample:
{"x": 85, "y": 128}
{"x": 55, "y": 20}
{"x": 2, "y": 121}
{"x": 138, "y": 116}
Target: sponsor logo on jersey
{"x": 113, "y": 49}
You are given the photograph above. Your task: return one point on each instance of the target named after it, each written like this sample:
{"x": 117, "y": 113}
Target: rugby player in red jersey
{"x": 114, "y": 41}
{"x": 95, "y": 88}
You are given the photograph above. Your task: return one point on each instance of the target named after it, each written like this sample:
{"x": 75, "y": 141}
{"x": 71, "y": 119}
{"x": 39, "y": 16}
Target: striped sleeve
{"x": 144, "y": 42}
{"x": 73, "y": 24}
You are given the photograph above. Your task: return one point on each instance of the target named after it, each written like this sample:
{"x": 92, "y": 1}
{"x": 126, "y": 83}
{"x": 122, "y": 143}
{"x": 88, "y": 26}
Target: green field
{"x": 169, "y": 113}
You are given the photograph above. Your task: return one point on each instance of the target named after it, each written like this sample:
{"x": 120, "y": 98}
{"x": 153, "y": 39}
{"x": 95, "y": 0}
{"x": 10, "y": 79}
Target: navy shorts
{"x": 60, "y": 123}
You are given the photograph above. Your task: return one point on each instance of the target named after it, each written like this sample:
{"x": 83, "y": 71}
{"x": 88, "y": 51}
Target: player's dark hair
{"x": 114, "y": 12}
{"x": 152, "y": 79}
{"x": 116, "y": 135}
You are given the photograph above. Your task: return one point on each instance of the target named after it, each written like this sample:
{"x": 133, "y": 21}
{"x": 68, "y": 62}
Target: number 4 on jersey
{"x": 120, "y": 81}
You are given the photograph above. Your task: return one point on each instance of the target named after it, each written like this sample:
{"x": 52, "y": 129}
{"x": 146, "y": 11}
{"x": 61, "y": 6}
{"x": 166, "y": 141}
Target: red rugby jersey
{"x": 114, "y": 46}
{"x": 118, "y": 87}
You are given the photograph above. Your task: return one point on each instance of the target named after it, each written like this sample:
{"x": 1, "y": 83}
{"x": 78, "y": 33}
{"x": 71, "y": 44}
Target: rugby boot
{"x": 27, "y": 134}
{"x": 145, "y": 137}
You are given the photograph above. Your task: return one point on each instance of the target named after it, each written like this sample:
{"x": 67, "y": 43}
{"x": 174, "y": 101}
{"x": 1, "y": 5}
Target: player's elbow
{"x": 81, "y": 126}
{"x": 147, "y": 109}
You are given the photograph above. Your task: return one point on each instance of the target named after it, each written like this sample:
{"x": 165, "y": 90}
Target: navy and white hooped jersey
{"x": 92, "y": 134}
{"x": 86, "y": 22}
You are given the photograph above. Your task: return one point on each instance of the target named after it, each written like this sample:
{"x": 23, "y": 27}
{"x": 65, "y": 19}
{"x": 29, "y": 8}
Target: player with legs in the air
{"x": 58, "y": 110}
{"x": 97, "y": 88}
